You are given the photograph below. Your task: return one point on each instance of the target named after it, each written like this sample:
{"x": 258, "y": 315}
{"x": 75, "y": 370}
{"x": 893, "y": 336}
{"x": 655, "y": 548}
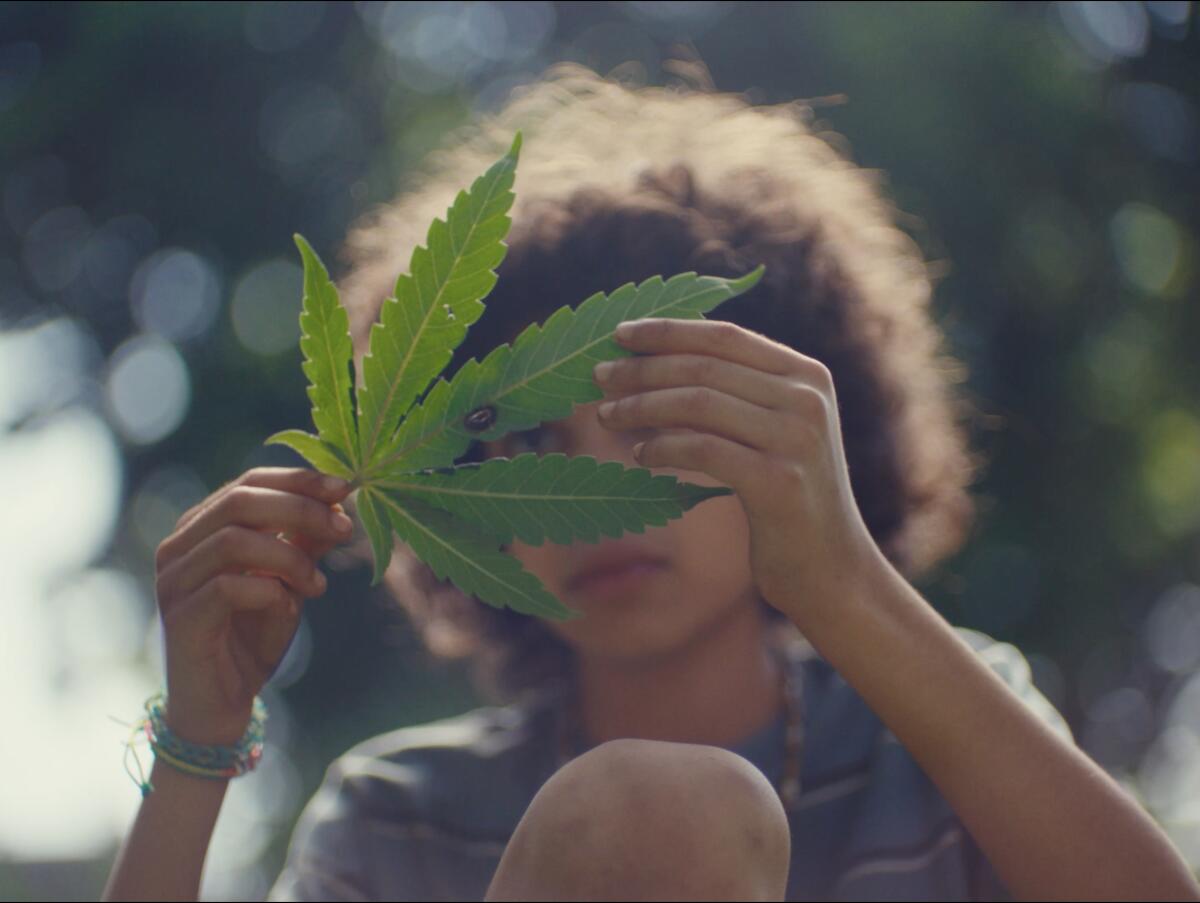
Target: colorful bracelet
{"x": 215, "y": 762}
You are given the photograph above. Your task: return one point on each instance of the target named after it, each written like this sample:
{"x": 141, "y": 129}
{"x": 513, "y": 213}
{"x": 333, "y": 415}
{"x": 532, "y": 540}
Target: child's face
{"x": 704, "y": 578}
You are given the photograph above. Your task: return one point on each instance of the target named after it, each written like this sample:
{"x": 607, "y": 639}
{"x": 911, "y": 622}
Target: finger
{"x": 208, "y": 610}
{"x": 299, "y": 480}
{"x": 236, "y": 549}
{"x": 259, "y": 508}
{"x": 627, "y": 376}
{"x": 717, "y": 338}
{"x": 317, "y": 547}
{"x": 227, "y": 593}
{"x": 729, "y": 462}
{"x": 696, "y": 408}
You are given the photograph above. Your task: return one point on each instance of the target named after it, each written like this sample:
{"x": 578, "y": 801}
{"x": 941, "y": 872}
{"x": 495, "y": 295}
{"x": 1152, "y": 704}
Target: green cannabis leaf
{"x": 399, "y": 452}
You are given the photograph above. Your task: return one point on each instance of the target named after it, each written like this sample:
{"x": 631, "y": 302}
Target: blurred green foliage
{"x": 1045, "y": 155}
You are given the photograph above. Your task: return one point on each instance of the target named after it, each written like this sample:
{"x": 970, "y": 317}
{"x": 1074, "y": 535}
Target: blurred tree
{"x": 155, "y": 160}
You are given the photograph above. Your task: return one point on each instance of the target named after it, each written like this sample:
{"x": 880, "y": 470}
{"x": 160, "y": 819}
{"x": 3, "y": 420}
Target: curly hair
{"x": 620, "y": 182}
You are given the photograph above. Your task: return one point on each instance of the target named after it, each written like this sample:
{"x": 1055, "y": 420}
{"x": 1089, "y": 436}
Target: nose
{"x": 604, "y": 444}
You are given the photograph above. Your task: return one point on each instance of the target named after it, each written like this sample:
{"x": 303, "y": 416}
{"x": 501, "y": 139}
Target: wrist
{"x": 164, "y": 774}
{"x": 820, "y": 610}
{"x": 206, "y": 760}
{"x": 205, "y": 732}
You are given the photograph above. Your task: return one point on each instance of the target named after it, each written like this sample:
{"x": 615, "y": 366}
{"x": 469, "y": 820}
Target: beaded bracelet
{"x": 215, "y": 762}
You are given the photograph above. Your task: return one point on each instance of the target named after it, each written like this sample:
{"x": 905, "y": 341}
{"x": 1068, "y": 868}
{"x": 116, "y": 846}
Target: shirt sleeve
{"x": 420, "y": 813}
{"x": 1013, "y": 668}
{"x": 325, "y": 855}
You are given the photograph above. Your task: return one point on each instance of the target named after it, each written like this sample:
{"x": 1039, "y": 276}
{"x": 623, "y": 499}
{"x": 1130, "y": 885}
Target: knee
{"x": 693, "y": 807}
{"x": 661, "y": 781}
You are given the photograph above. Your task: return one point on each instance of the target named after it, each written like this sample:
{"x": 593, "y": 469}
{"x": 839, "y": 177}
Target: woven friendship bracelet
{"x": 200, "y": 771}
{"x": 208, "y": 757}
{"x": 215, "y": 762}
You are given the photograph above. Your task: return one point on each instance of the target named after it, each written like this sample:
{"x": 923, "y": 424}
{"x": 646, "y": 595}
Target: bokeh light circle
{"x": 147, "y": 390}
{"x": 266, "y": 307}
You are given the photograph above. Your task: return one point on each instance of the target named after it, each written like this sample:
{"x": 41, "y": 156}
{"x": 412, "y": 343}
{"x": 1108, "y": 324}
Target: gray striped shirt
{"x": 425, "y": 812}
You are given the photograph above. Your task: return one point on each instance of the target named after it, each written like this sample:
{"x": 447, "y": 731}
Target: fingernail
{"x": 341, "y": 522}
{"x": 319, "y": 580}
{"x": 603, "y": 371}
{"x": 333, "y": 484}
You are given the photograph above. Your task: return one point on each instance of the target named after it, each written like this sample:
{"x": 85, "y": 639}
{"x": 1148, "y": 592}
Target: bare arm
{"x": 1052, "y": 823}
{"x": 163, "y": 855}
{"x": 230, "y": 584}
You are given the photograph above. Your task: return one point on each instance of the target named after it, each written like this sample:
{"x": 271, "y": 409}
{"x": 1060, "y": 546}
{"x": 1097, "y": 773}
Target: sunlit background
{"x": 155, "y": 160}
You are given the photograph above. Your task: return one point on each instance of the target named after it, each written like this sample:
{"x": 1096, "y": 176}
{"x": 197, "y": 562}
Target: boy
{"x": 671, "y": 657}
{"x": 756, "y": 704}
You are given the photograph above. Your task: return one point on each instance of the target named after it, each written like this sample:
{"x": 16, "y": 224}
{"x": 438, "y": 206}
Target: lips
{"x": 610, "y": 562}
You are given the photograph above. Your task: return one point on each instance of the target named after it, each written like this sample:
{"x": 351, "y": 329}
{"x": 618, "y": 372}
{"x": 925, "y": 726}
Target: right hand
{"x": 230, "y": 589}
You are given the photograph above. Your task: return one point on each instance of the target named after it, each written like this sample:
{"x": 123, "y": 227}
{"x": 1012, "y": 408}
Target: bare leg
{"x": 649, "y": 820}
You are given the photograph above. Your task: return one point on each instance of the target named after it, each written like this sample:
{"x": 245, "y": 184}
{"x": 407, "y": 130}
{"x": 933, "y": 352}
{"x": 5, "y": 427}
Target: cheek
{"x": 538, "y": 560}
{"x": 715, "y": 538}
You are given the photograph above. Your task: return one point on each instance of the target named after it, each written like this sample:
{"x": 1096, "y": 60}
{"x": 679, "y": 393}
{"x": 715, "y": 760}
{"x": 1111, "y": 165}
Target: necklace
{"x": 570, "y": 731}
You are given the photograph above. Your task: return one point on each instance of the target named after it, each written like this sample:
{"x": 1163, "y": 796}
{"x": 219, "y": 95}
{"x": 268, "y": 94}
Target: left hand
{"x": 762, "y": 419}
